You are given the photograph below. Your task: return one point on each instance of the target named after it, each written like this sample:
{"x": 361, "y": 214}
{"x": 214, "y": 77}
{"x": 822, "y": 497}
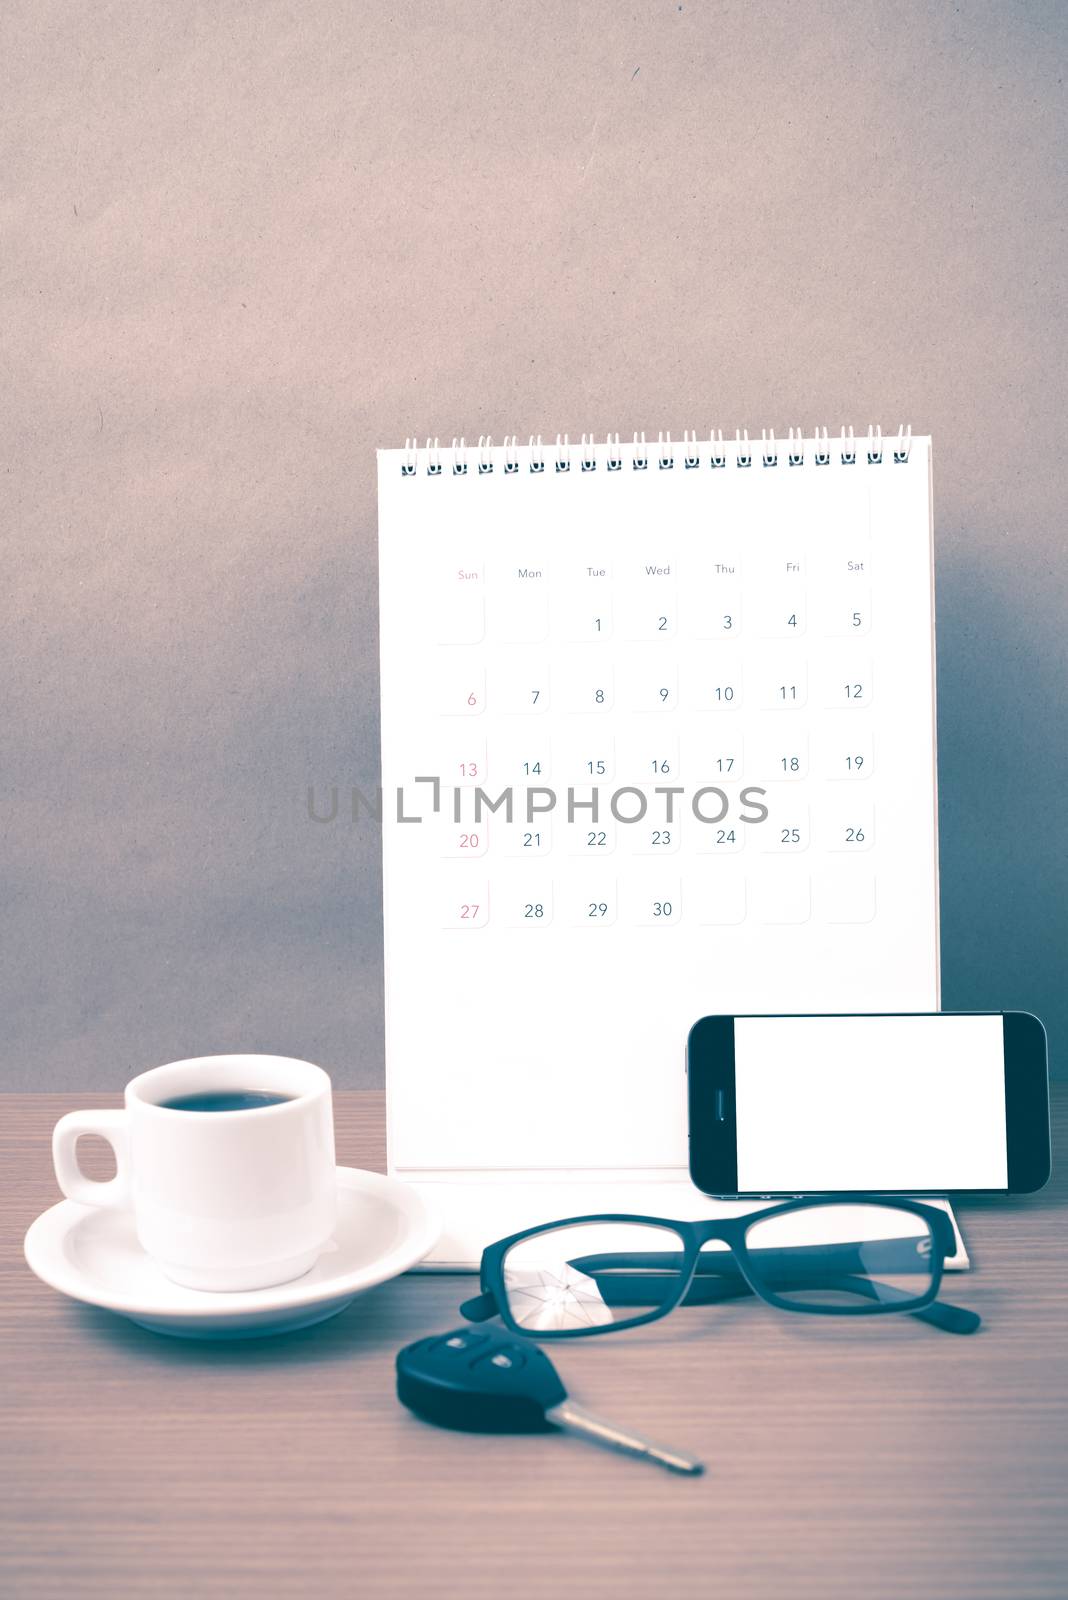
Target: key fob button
{"x": 510, "y": 1359}
{"x": 459, "y": 1344}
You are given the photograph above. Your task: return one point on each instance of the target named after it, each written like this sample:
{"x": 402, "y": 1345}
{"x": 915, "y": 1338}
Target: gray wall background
{"x": 245, "y": 243}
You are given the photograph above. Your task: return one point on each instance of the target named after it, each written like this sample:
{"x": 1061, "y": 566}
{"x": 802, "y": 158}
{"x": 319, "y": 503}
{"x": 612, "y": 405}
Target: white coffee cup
{"x": 222, "y": 1200}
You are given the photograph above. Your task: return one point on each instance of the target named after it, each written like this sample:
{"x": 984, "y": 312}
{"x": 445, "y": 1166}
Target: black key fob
{"x": 480, "y": 1380}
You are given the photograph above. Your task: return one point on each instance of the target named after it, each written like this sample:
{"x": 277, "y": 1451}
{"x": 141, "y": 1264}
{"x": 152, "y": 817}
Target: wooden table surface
{"x": 885, "y": 1459}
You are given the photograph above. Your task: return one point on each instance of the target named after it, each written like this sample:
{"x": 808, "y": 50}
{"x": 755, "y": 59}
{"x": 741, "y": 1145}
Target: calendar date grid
{"x": 606, "y": 696}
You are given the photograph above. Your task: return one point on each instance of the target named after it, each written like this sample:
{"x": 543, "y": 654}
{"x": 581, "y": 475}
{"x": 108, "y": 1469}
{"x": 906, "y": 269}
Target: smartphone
{"x": 897, "y": 1104}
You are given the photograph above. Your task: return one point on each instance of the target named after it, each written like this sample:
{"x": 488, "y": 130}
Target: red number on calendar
{"x": 468, "y": 913}
{"x": 469, "y": 841}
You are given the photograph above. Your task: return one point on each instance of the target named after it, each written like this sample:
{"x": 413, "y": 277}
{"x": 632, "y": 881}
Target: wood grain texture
{"x": 881, "y": 1460}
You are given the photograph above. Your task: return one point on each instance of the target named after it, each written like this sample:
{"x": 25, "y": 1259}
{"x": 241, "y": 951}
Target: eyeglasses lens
{"x": 872, "y": 1257}
{"x": 591, "y": 1275}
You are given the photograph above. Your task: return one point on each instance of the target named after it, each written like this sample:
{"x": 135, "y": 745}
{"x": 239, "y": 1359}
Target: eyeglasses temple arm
{"x": 481, "y": 1307}
{"x": 952, "y": 1319}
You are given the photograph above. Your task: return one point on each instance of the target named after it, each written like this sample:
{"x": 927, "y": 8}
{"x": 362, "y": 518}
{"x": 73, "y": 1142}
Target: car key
{"x": 486, "y": 1381}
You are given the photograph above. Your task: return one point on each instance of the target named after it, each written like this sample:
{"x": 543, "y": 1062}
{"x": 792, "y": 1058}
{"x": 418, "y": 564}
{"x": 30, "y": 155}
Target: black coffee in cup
{"x": 226, "y": 1100}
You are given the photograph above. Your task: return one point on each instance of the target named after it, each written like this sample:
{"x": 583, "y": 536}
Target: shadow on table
{"x": 378, "y": 1321}
{"x": 383, "y": 1319}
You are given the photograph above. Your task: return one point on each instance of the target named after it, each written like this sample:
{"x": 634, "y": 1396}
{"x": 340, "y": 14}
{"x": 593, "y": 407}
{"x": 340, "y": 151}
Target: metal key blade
{"x": 576, "y": 1420}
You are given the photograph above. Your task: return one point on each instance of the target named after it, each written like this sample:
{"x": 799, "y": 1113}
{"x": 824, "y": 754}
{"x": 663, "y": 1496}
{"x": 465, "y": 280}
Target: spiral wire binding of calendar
{"x": 691, "y": 453}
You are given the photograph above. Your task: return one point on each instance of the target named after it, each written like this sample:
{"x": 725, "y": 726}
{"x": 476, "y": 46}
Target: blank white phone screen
{"x": 828, "y": 1103}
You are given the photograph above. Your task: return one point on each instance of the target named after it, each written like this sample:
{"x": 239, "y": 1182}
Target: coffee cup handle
{"x": 108, "y": 1125}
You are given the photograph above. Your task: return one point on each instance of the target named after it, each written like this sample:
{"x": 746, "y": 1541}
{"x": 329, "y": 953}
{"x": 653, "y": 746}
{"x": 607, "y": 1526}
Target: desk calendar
{"x": 657, "y": 742}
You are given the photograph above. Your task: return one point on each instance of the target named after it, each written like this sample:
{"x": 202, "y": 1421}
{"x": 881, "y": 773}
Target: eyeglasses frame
{"x": 731, "y": 1231}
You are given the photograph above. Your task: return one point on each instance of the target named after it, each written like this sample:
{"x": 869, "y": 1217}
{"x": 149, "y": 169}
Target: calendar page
{"x": 657, "y": 742}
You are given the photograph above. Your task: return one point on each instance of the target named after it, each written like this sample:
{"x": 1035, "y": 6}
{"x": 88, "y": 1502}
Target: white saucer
{"x": 92, "y": 1254}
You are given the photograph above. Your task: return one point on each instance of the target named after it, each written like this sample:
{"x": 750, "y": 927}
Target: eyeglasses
{"x": 599, "y": 1274}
